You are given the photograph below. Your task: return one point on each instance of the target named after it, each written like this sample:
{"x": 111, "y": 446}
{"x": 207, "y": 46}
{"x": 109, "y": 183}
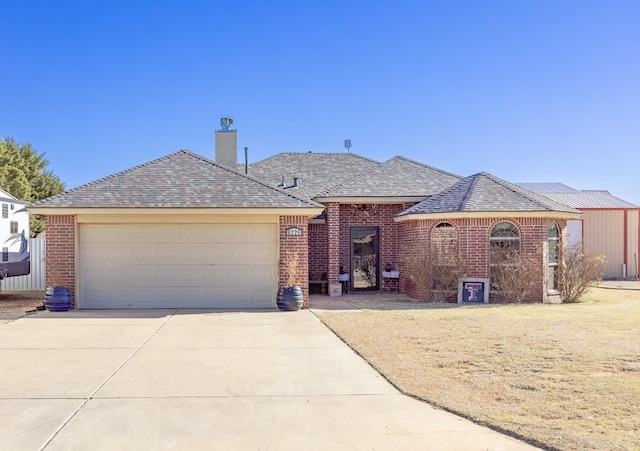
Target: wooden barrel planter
{"x": 289, "y": 299}
{"x": 58, "y": 299}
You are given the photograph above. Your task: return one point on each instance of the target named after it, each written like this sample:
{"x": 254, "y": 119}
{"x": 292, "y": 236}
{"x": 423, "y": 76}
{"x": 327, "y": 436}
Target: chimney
{"x": 227, "y": 144}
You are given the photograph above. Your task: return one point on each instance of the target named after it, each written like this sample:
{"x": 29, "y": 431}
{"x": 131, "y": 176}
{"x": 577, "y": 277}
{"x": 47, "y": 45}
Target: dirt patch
{"x": 16, "y": 304}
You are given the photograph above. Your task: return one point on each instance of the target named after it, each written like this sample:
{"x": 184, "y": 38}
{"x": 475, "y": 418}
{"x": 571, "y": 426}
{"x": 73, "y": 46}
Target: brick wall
{"x": 318, "y": 251}
{"x": 413, "y": 238}
{"x": 330, "y": 243}
{"x": 380, "y": 216}
{"x": 60, "y": 253}
{"x": 295, "y": 245}
{"x": 473, "y": 242}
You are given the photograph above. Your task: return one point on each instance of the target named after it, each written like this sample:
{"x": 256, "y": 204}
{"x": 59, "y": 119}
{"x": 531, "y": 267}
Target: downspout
{"x": 626, "y": 243}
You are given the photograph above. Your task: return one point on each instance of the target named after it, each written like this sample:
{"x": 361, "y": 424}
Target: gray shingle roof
{"x": 179, "y": 180}
{"x": 589, "y": 199}
{"x": 397, "y": 177}
{"x": 485, "y": 192}
{"x": 315, "y": 171}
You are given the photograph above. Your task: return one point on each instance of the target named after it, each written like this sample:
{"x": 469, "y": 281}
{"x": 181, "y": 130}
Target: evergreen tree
{"x": 24, "y": 175}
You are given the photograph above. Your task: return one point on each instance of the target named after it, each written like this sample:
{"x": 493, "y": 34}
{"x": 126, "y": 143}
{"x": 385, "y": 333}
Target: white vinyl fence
{"x": 36, "y": 280}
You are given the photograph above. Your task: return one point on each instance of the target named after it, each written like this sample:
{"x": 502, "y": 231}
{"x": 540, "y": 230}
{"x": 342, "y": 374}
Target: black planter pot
{"x": 289, "y": 299}
{"x": 58, "y": 299}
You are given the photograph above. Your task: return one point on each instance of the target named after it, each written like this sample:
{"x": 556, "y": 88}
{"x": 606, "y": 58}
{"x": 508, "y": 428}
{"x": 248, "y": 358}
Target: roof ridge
{"x": 419, "y": 163}
{"x": 230, "y": 170}
{"x": 382, "y": 165}
{"x": 110, "y": 176}
{"x": 347, "y": 180}
{"x": 472, "y": 184}
{"x": 167, "y": 157}
{"x": 314, "y": 153}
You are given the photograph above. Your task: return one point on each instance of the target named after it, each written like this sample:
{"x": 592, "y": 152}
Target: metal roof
{"x": 549, "y": 187}
{"x": 585, "y": 199}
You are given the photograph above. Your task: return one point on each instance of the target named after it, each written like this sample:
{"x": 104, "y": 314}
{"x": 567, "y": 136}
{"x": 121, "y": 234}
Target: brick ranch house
{"x": 186, "y": 231}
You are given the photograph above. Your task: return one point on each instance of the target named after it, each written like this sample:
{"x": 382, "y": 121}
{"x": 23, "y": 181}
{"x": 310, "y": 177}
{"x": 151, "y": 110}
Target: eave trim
{"x": 309, "y": 212}
{"x": 488, "y": 214}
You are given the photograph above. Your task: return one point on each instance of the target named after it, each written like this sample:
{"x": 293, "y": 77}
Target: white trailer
{"x": 14, "y": 236}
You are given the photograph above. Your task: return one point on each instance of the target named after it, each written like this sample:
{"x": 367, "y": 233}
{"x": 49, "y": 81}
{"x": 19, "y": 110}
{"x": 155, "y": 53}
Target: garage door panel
{"x": 165, "y": 266}
{"x": 124, "y": 299}
{"x": 106, "y": 253}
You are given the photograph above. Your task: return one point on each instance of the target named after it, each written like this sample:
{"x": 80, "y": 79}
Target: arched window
{"x": 444, "y": 242}
{"x": 554, "y": 243}
{"x": 504, "y": 242}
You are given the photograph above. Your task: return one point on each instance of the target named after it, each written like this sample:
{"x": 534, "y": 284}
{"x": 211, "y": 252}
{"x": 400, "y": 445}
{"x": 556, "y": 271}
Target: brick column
{"x": 333, "y": 242}
{"x": 60, "y": 254}
{"x": 295, "y": 246}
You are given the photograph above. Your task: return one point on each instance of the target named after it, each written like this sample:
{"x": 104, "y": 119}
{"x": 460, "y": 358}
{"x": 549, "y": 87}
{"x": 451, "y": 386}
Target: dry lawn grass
{"x": 559, "y": 376}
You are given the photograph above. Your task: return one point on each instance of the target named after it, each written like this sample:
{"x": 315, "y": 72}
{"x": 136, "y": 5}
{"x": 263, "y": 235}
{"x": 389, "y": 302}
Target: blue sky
{"x": 529, "y": 91}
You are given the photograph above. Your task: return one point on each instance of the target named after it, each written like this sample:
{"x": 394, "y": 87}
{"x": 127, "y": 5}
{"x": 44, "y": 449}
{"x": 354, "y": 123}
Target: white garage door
{"x": 178, "y": 265}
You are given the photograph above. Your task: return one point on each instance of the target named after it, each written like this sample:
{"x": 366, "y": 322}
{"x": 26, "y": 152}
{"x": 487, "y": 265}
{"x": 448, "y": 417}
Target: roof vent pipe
{"x": 246, "y": 160}
{"x": 295, "y": 183}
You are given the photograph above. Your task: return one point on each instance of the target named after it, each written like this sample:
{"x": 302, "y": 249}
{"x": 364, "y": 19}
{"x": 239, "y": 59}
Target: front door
{"x": 364, "y": 258}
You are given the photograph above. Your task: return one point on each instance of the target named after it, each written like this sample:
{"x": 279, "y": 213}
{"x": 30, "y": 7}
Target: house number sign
{"x": 293, "y": 231}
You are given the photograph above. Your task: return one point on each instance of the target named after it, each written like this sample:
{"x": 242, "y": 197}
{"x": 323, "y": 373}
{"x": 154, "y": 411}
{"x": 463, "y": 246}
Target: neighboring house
{"x": 14, "y": 236}
{"x": 609, "y": 225}
{"x": 186, "y": 231}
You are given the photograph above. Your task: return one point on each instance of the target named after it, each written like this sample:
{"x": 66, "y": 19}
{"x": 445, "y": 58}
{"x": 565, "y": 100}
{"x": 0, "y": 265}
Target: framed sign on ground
{"x": 473, "y": 290}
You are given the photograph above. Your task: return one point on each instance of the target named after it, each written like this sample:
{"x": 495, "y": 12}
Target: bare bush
{"x": 577, "y": 271}
{"x": 434, "y": 271}
{"x": 447, "y": 268}
{"x": 289, "y": 265}
{"x": 415, "y": 264}
{"x": 514, "y": 275}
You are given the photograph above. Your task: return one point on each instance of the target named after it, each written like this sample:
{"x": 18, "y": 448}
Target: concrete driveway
{"x": 197, "y": 379}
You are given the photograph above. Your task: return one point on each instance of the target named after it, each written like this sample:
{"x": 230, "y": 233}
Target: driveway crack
{"x": 102, "y": 384}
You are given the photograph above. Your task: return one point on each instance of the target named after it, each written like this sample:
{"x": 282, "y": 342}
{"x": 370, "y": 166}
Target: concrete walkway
{"x": 196, "y": 379}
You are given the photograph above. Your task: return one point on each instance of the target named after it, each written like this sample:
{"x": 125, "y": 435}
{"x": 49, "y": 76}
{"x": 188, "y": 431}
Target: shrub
{"x": 577, "y": 271}
{"x": 415, "y": 264}
{"x": 515, "y": 276}
{"x": 435, "y": 271}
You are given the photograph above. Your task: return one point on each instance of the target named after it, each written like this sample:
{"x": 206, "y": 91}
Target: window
{"x": 554, "y": 243}
{"x": 504, "y": 242}
{"x": 13, "y": 227}
{"x": 5, "y": 211}
{"x": 5, "y": 254}
{"x": 444, "y": 256}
